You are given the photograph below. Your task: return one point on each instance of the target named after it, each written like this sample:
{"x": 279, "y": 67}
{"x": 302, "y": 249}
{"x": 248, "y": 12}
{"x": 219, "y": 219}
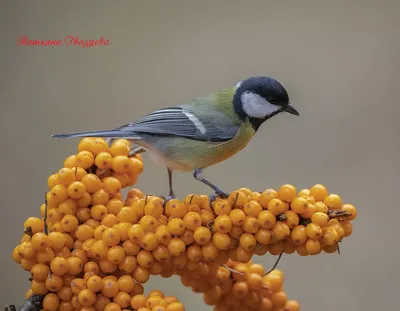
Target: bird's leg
{"x": 136, "y": 150}
{"x": 171, "y": 194}
{"x": 218, "y": 191}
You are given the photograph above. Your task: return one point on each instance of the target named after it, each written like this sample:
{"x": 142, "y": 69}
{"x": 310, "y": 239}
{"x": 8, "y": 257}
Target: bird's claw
{"x": 168, "y": 198}
{"x": 218, "y": 194}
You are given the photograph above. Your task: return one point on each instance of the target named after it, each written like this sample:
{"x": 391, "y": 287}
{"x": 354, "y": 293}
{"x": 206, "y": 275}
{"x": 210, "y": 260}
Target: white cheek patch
{"x": 256, "y": 106}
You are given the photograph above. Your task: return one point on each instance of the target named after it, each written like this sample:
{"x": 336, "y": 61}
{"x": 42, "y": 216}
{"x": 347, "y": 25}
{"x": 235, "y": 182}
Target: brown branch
{"x": 33, "y": 303}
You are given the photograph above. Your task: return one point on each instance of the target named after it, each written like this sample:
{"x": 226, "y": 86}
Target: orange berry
{"x": 122, "y": 299}
{"x": 330, "y": 236}
{"x": 176, "y": 246}
{"x": 122, "y": 228}
{"x": 136, "y": 233}
{"x": 313, "y": 231}
{"x": 126, "y": 283}
{"x": 75, "y": 265}
{"x": 39, "y": 272}
{"x": 99, "y": 249}
{"x": 187, "y": 237}
{"x": 240, "y": 289}
{"x": 45, "y": 256}
{"x": 299, "y": 205}
{"x": 94, "y": 283}
{"x": 299, "y": 235}
{"x": 292, "y": 305}
{"x": 237, "y": 199}
{"x": 176, "y": 226}
{"x": 116, "y": 254}
{"x": 141, "y": 275}
{"x": 52, "y": 181}
{"x": 263, "y": 236}
{"x": 149, "y": 223}
{"x": 252, "y": 208}
{"x": 333, "y": 201}
{"x": 237, "y": 216}
{"x": 320, "y": 219}
{"x": 175, "y": 306}
{"x": 91, "y": 266}
{"x": 138, "y": 301}
{"x": 266, "y": 220}
{"x": 319, "y": 192}
{"x": 222, "y": 207}
{"x": 98, "y": 212}
{"x": 150, "y": 241}
{"x": 311, "y": 210}
{"x": 287, "y": 193}
{"x": 84, "y": 232}
{"x": 51, "y": 302}
{"x": 292, "y": 219}
{"x": 35, "y": 223}
{"x": 65, "y": 176}
{"x": 251, "y": 224}
{"x": 221, "y": 240}
{"x": 267, "y": 196}
{"x": 248, "y": 241}
{"x": 243, "y": 255}
{"x": 281, "y": 230}
{"x": 202, "y": 235}
{"x": 85, "y": 159}
{"x": 69, "y": 223}
{"x": 121, "y": 164}
{"x": 54, "y": 282}
{"x": 103, "y": 160}
{"x": 112, "y": 185}
{"x": 351, "y": 209}
{"x": 86, "y": 298}
{"x": 223, "y": 224}
{"x": 59, "y": 265}
{"x": 59, "y": 193}
{"x": 91, "y": 182}
{"x": 347, "y": 227}
{"x": 192, "y": 220}
{"x": 176, "y": 208}
{"x": 206, "y": 217}
{"x": 127, "y": 214}
{"x": 120, "y": 147}
{"x": 40, "y": 241}
{"x": 100, "y": 196}
{"x": 99, "y": 145}
{"x": 128, "y": 265}
{"x": 65, "y": 293}
{"x": 313, "y": 247}
{"x": 209, "y": 251}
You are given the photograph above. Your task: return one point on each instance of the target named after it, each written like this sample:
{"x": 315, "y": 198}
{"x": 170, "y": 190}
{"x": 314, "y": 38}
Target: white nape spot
{"x": 256, "y": 106}
{"x": 239, "y": 84}
{"x": 196, "y": 122}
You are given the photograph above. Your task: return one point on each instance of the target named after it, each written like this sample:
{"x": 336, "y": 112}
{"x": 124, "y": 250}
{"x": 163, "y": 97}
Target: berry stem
{"x": 46, "y": 228}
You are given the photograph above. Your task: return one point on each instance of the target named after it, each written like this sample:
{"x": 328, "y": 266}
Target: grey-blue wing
{"x": 178, "y": 121}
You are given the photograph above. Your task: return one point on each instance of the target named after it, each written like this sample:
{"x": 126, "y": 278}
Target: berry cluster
{"x": 92, "y": 249}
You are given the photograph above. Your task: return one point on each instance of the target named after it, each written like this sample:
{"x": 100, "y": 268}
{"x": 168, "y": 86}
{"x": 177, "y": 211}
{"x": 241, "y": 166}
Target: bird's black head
{"x": 259, "y": 98}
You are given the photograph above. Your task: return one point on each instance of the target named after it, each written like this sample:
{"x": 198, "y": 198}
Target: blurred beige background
{"x": 338, "y": 59}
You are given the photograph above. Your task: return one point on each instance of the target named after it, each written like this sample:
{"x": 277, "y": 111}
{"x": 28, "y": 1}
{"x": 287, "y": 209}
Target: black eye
{"x": 272, "y": 100}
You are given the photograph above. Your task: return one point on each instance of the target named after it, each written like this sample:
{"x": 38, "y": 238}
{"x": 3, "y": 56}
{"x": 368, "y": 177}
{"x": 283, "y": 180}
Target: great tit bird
{"x": 204, "y": 131}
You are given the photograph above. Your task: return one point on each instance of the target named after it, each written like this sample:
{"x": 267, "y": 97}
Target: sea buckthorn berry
{"x": 68, "y": 207}
{"x": 281, "y": 230}
{"x": 267, "y": 196}
{"x": 65, "y": 293}
{"x": 237, "y": 217}
{"x": 120, "y": 147}
{"x": 112, "y": 185}
{"x": 85, "y": 159}
{"x": 86, "y": 298}
{"x": 176, "y": 226}
{"x": 59, "y": 266}
{"x": 148, "y": 223}
{"x": 347, "y": 227}
{"x": 121, "y": 164}
{"x": 128, "y": 265}
{"x": 100, "y": 196}
{"x": 176, "y": 246}
{"x": 266, "y": 220}
{"x": 202, "y": 235}
{"x": 314, "y": 231}
{"x": 141, "y": 275}
{"x": 321, "y": 207}
{"x": 154, "y": 208}
{"x": 313, "y": 247}
{"x": 70, "y": 161}
{"x": 287, "y": 193}
{"x": 136, "y": 233}
{"x": 176, "y": 208}
{"x": 114, "y": 206}
{"x": 39, "y": 272}
{"x": 122, "y": 299}
{"x": 94, "y": 283}
{"x": 99, "y": 145}
{"x": 127, "y": 214}
{"x": 79, "y": 172}
{"x": 150, "y": 241}
{"x": 103, "y": 160}
{"x": 209, "y": 251}
{"x": 116, "y": 254}
{"x": 126, "y": 283}
{"x": 251, "y": 224}
{"x": 69, "y": 223}
{"x": 275, "y": 206}
{"x": 40, "y": 241}
{"x": 248, "y": 241}
{"x": 111, "y": 237}
{"x": 59, "y": 193}
{"x": 92, "y": 182}
{"x": 163, "y": 234}
{"x": 304, "y": 193}
{"x": 237, "y": 199}
{"x": 330, "y": 236}
{"x": 98, "y": 212}
{"x": 263, "y": 236}
{"x": 145, "y": 259}
{"x": 252, "y": 208}
{"x": 276, "y": 248}
{"x": 45, "y": 256}
{"x": 86, "y": 144}
{"x": 291, "y": 305}
{"x": 187, "y": 237}
{"x": 299, "y": 235}
{"x": 65, "y": 176}
{"x": 299, "y": 205}
{"x": 333, "y": 201}
{"x": 206, "y": 217}
{"x": 50, "y": 302}
{"x": 320, "y": 219}
{"x": 243, "y": 255}
{"x": 221, "y": 207}
{"x": 192, "y": 221}
{"x": 223, "y": 224}
{"x": 138, "y": 301}
{"x": 221, "y": 240}
{"x": 84, "y": 201}
{"x": 351, "y": 209}
{"x": 52, "y": 181}
{"x": 292, "y": 219}
{"x": 75, "y": 265}
{"x": 310, "y": 210}
{"x": 319, "y": 192}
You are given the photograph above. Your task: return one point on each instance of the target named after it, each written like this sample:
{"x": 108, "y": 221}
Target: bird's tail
{"x": 116, "y": 133}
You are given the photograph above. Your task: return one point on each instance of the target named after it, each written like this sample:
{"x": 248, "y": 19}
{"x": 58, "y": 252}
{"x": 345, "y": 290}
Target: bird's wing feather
{"x": 181, "y": 121}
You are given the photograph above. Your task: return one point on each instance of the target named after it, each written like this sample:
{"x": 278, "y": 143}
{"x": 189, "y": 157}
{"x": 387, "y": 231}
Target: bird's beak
{"x": 291, "y": 110}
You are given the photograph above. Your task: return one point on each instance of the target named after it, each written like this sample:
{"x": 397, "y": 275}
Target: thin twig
{"x": 46, "y": 228}
{"x": 276, "y": 263}
{"x": 232, "y": 270}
